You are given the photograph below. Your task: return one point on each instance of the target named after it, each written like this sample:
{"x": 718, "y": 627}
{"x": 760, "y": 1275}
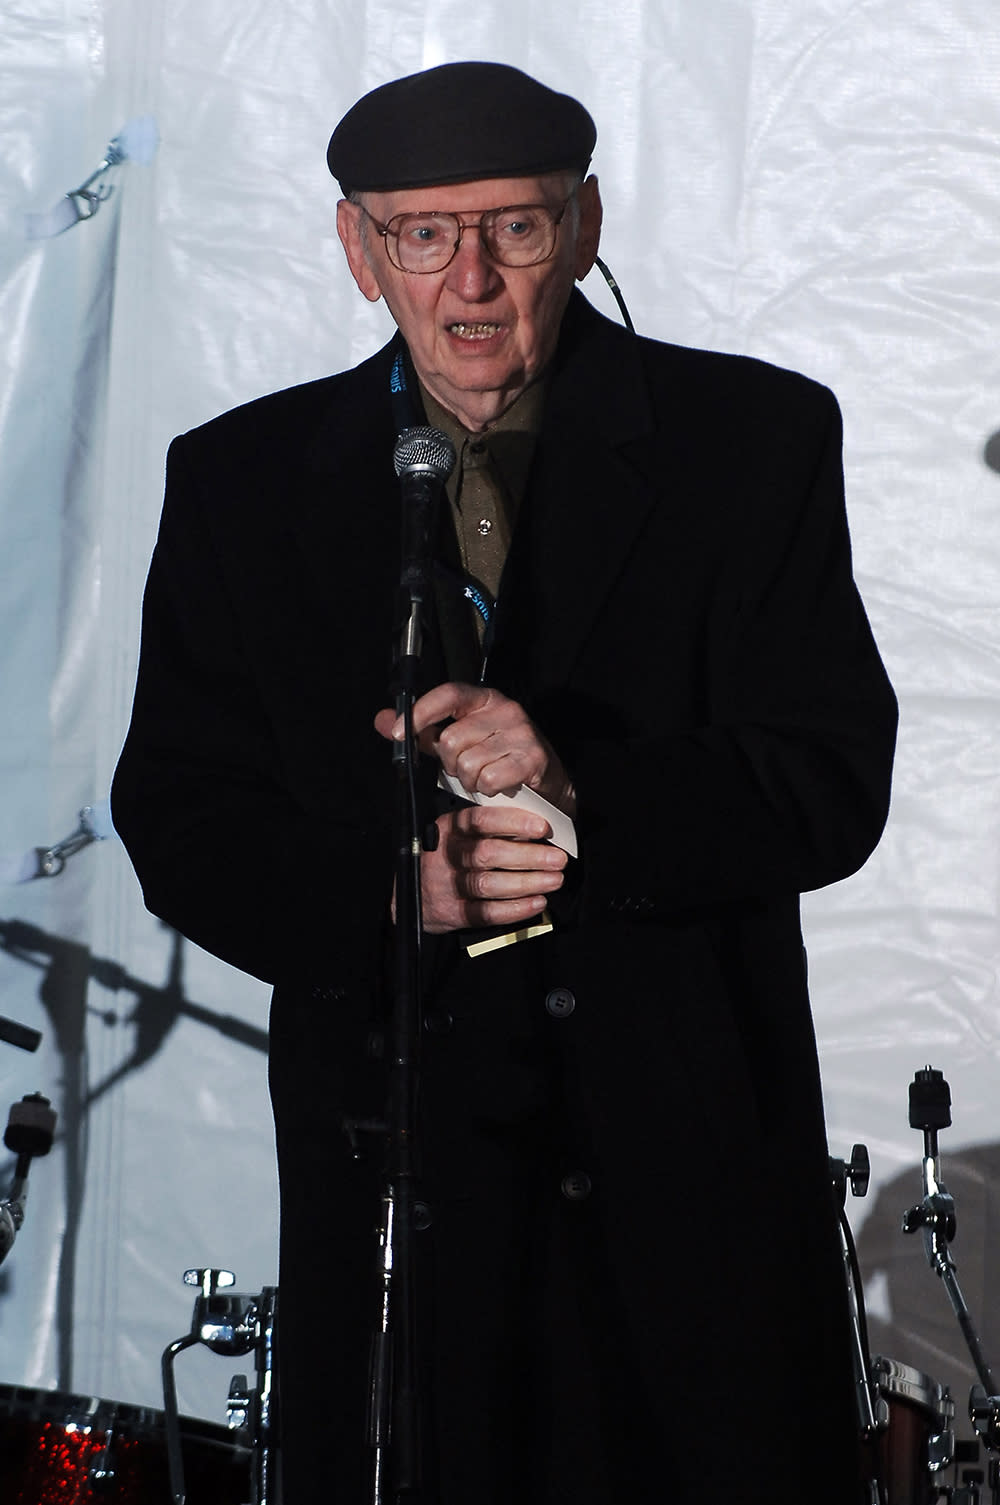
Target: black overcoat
{"x": 632, "y": 1286}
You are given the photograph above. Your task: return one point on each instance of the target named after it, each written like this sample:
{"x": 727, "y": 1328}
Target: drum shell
{"x": 919, "y": 1410}
{"x": 62, "y": 1449}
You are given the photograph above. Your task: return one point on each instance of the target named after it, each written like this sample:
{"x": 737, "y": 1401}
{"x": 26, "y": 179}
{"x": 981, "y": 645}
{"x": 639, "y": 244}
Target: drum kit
{"x": 60, "y": 1449}
{"x": 67, "y": 1449}
{"x": 910, "y": 1455}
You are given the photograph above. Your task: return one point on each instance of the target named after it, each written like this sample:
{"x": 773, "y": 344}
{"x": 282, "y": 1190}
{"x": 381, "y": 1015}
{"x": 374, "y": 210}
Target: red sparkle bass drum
{"x": 58, "y": 1449}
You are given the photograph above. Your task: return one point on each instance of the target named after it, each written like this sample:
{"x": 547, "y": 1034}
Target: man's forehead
{"x": 478, "y": 193}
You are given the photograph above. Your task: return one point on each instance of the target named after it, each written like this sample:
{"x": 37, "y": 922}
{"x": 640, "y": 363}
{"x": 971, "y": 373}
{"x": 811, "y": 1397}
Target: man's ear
{"x": 350, "y": 230}
{"x": 588, "y": 235}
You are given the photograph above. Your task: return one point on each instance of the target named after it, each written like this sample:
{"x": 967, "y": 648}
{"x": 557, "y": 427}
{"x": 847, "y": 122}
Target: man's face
{"x": 478, "y": 332}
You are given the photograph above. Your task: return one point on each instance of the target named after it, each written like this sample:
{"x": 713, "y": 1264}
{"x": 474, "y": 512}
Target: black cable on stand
{"x": 423, "y": 458}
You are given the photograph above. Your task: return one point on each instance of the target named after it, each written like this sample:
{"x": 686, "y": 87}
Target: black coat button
{"x": 327, "y": 993}
{"x": 421, "y": 1216}
{"x": 576, "y": 1187}
{"x": 560, "y": 1003}
{"x": 438, "y": 1022}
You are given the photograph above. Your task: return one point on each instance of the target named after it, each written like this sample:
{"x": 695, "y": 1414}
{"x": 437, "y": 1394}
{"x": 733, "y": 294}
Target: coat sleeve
{"x": 780, "y": 783}
{"x": 225, "y": 849}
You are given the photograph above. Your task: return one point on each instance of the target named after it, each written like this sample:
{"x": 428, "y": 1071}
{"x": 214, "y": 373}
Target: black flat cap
{"x": 456, "y": 123}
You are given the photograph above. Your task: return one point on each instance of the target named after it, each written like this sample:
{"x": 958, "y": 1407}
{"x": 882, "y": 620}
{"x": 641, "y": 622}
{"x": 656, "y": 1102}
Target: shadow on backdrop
{"x": 67, "y": 968}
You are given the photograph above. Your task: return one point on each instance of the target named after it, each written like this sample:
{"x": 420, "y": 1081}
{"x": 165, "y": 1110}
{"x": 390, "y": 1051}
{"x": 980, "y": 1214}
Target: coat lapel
{"x": 591, "y": 488}
{"x": 346, "y": 516}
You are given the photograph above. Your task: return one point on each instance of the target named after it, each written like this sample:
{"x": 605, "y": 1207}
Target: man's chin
{"x": 478, "y": 400}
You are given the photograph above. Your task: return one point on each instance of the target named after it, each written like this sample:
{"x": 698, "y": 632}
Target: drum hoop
{"x": 896, "y": 1378}
{"x": 91, "y": 1413}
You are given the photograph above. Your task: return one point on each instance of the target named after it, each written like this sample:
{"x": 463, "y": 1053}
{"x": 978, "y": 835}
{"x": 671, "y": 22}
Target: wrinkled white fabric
{"x": 817, "y": 185}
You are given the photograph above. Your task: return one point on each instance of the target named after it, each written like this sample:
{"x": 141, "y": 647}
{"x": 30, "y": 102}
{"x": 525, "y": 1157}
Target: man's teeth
{"x": 473, "y": 331}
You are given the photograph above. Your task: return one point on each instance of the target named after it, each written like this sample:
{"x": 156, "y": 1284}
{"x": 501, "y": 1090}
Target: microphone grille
{"x": 424, "y": 449}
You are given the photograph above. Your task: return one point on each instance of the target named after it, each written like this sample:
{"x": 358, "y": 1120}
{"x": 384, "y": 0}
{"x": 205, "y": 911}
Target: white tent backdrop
{"x": 816, "y": 184}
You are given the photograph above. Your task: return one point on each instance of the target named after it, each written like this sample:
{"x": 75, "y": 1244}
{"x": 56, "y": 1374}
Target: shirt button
{"x": 560, "y": 1003}
{"x": 576, "y": 1187}
{"x": 484, "y": 526}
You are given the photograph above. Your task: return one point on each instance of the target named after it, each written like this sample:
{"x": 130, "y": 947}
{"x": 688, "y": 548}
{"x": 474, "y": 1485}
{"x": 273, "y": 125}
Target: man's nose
{"x": 471, "y": 272}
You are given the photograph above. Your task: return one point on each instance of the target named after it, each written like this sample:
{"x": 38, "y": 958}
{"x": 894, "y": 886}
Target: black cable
{"x": 605, "y": 272}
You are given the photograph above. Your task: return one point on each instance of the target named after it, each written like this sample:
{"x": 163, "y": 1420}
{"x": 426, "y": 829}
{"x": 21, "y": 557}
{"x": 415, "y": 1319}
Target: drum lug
{"x": 238, "y": 1403}
{"x": 103, "y": 1472}
{"x": 940, "y": 1450}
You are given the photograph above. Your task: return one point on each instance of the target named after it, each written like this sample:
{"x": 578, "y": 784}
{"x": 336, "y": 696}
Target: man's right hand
{"x": 491, "y": 867}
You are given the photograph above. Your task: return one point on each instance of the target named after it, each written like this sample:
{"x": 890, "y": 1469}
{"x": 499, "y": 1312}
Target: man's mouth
{"x": 482, "y": 330}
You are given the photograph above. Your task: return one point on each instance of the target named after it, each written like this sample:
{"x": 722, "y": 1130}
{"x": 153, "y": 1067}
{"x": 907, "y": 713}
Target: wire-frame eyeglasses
{"x": 424, "y": 241}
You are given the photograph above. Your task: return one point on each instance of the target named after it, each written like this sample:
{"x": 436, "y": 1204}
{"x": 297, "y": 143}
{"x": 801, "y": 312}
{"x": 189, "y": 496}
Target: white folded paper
{"x": 563, "y": 829}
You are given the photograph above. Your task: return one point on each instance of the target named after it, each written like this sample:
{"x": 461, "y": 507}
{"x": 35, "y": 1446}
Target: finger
{"x": 438, "y": 707}
{"x": 452, "y": 701}
{"x": 470, "y": 914}
{"x": 492, "y": 854}
{"x": 493, "y": 768}
{"x": 502, "y": 820}
{"x": 499, "y": 884}
{"x": 506, "y": 913}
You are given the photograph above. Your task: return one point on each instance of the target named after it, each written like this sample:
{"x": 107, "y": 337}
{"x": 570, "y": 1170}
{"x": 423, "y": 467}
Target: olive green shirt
{"x": 486, "y": 487}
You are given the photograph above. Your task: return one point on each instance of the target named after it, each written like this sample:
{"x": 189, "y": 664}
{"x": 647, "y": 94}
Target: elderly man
{"x": 628, "y": 1272}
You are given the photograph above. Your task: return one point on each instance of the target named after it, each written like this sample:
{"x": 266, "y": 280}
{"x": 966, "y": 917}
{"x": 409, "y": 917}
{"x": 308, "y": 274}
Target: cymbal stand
{"x": 232, "y": 1325}
{"x": 930, "y": 1110}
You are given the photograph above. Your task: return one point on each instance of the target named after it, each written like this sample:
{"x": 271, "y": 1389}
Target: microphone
{"x": 423, "y": 458}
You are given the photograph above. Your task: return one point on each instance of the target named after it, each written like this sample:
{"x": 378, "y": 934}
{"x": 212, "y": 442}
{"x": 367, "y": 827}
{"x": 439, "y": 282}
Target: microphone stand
{"x": 423, "y": 459}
